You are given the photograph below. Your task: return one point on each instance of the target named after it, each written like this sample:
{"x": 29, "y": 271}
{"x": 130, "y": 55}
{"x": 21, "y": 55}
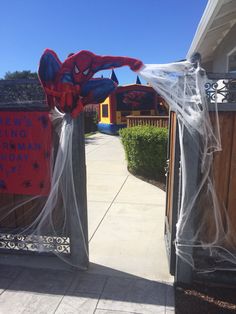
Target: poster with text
{"x": 25, "y": 153}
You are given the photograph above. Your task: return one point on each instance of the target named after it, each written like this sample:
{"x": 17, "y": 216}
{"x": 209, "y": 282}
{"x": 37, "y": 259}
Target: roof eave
{"x": 211, "y": 10}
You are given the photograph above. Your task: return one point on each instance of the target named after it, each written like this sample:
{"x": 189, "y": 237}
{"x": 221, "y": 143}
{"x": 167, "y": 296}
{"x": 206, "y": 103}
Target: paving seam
{"x": 105, "y": 283}
{"x": 65, "y": 294}
{"x": 99, "y": 308}
{"x": 12, "y": 281}
{"x": 109, "y": 207}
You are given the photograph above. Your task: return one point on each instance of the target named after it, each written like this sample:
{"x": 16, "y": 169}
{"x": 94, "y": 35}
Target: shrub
{"x": 90, "y": 121}
{"x": 146, "y": 150}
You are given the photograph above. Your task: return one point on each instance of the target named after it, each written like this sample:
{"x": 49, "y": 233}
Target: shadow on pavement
{"x": 99, "y": 282}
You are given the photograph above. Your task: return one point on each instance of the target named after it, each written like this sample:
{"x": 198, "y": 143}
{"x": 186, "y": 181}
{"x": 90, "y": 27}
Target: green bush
{"x": 146, "y": 150}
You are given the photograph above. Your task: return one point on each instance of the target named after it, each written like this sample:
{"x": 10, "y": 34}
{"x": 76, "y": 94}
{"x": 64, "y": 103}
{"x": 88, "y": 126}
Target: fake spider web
{"x": 203, "y": 227}
{"x": 182, "y": 86}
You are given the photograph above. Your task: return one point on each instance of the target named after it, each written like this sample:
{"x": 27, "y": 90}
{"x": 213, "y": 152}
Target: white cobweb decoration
{"x": 49, "y": 230}
{"x": 181, "y": 84}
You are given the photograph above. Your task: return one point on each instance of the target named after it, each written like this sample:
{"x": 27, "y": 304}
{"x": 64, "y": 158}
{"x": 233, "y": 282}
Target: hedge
{"x": 146, "y": 150}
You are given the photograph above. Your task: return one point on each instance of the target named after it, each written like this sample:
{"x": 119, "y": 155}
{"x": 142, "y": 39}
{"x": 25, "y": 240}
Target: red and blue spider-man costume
{"x": 70, "y": 86}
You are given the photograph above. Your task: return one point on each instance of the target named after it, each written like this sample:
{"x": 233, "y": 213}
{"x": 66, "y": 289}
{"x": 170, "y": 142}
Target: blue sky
{"x": 155, "y": 31}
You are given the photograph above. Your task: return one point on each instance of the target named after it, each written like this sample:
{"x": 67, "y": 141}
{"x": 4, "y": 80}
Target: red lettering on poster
{"x": 25, "y": 153}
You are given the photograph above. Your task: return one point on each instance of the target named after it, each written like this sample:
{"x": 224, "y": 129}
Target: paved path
{"x": 126, "y": 214}
{"x": 128, "y": 272}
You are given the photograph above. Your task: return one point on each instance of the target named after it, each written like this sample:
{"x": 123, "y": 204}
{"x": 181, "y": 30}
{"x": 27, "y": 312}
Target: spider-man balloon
{"x": 70, "y": 85}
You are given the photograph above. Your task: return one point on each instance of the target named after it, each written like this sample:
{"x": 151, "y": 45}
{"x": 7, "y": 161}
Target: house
{"x": 215, "y": 38}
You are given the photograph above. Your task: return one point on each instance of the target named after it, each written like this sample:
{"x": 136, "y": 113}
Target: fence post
{"x": 190, "y": 155}
{"x": 184, "y": 270}
{"x": 79, "y": 234}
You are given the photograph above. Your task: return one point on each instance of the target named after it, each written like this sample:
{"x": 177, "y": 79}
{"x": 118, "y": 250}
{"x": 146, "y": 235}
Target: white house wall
{"x": 220, "y": 58}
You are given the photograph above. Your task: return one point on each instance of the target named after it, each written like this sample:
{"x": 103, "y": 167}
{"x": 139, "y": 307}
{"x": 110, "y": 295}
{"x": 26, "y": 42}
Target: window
{"x": 232, "y": 62}
{"x": 105, "y": 111}
{"x": 231, "y": 86}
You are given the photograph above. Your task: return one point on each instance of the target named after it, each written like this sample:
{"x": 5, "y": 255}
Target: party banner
{"x": 25, "y": 153}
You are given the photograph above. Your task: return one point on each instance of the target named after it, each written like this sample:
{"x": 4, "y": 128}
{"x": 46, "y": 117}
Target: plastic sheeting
{"x": 203, "y": 227}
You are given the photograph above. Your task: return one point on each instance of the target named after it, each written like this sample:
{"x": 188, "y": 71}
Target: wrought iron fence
{"x": 221, "y": 87}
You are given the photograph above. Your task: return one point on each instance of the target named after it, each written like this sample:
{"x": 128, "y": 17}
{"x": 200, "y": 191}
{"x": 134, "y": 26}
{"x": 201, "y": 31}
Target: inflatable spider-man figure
{"x": 70, "y": 85}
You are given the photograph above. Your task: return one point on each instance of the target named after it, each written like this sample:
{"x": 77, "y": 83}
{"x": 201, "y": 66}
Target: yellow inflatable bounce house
{"x": 135, "y": 99}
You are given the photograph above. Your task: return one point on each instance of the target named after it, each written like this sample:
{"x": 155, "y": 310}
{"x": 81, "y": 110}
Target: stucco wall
{"x": 220, "y": 59}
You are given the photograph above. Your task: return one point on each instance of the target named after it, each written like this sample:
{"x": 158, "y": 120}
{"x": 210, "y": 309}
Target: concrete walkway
{"x": 126, "y": 231}
{"x": 128, "y": 272}
{"x": 126, "y": 214}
